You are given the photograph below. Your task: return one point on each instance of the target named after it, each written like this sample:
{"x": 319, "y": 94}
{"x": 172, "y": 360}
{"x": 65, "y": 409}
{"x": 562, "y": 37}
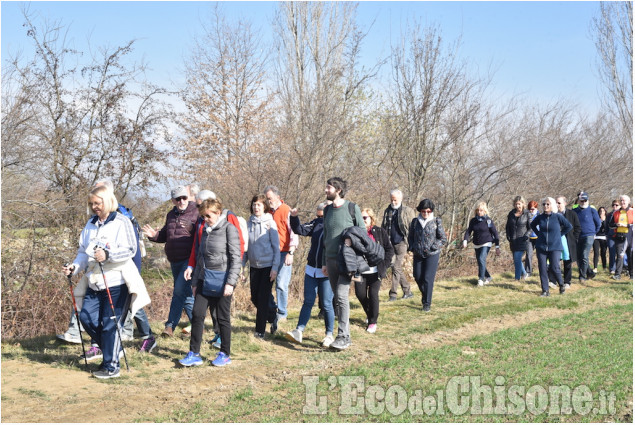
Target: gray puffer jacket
{"x": 264, "y": 246}
{"x": 219, "y": 250}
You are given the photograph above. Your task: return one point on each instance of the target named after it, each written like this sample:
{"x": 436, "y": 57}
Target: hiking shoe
{"x": 192, "y": 359}
{"x": 216, "y": 341}
{"x": 259, "y": 335}
{"x": 221, "y": 360}
{"x": 168, "y": 331}
{"x": 148, "y": 345}
{"x": 480, "y": 283}
{"x": 407, "y": 296}
{"x": 616, "y": 277}
{"x": 294, "y": 336}
{"x": 544, "y": 294}
{"x": 327, "y": 341}
{"x": 106, "y": 374}
{"x": 93, "y": 353}
{"x": 187, "y": 330}
{"x": 341, "y": 342}
{"x": 426, "y": 307}
{"x": 563, "y": 288}
{"x": 595, "y": 270}
{"x": 73, "y": 339}
{"x": 372, "y": 328}
{"x": 552, "y": 285}
{"x": 392, "y": 299}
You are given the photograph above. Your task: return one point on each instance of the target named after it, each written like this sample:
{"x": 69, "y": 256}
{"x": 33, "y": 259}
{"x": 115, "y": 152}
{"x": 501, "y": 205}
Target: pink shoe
{"x": 372, "y": 328}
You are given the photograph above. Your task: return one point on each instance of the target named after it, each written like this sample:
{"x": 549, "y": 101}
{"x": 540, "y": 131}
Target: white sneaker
{"x": 69, "y": 338}
{"x": 326, "y": 342}
{"x": 480, "y": 283}
{"x": 294, "y": 336}
{"x": 552, "y": 285}
{"x": 567, "y": 286}
{"x": 488, "y": 280}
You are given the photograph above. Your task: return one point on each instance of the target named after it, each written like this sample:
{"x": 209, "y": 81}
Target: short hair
{"x": 210, "y": 204}
{"x": 371, "y": 214}
{"x": 425, "y": 204}
{"x": 105, "y": 182}
{"x": 554, "y": 206}
{"x": 272, "y": 188}
{"x": 627, "y": 198}
{"x": 519, "y": 199}
{"x": 262, "y": 199}
{"x": 483, "y": 206}
{"x": 205, "y": 194}
{"x": 339, "y": 184}
{"x": 396, "y": 192}
{"x": 107, "y": 196}
{"x": 532, "y": 204}
{"x": 563, "y": 197}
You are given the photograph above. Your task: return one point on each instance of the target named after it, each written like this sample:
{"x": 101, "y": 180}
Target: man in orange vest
{"x": 622, "y": 222}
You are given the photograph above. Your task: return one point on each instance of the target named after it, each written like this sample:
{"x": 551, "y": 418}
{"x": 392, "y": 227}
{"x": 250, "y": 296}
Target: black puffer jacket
{"x": 353, "y": 259}
{"x": 426, "y": 242}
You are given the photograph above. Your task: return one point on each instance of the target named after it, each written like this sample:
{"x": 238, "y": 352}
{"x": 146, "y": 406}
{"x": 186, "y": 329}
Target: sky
{"x": 540, "y": 50}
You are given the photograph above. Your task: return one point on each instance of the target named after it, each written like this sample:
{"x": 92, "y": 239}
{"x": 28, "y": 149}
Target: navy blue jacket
{"x": 550, "y": 228}
{"x": 589, "y": 221}
{"x": 483, "y": 229}
{"x": 313, "y": 228}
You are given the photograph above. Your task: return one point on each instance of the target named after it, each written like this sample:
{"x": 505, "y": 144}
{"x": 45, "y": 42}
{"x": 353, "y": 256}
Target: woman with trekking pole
{"x": 106, "y": 248}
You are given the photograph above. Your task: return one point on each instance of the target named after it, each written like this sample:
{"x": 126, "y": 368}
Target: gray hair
{"x": 626, "y": 198}
{"x": 205, "y": 194}
{"x": 272, "y": 188}
{"x": 194, "y": 189}
{"x": 554, "y": 206}
{"x": 396, "y": 192}
{"x": 105, "y": 182}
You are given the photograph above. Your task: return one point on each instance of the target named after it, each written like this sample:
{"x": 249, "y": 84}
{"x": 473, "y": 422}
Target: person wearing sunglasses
{"x": 622, "y": 222}
{"x": 550, "y": 228}
{"x": 177, "y": 234}
{"x": 426, "y": 237}
{"x": 610, "y": 236}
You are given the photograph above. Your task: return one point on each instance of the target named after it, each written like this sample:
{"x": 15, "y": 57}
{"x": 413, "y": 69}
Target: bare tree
{"x": 613, "y": 34}
{"x": 228, "y": 109}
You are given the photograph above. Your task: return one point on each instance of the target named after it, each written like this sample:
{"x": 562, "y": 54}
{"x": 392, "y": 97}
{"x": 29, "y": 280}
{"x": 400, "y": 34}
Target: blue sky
{"x": 542, "y": 50}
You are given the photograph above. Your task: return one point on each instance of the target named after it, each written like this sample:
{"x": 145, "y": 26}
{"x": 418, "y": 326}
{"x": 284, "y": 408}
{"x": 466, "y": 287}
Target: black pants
{"x": 367, "y": 292}
{"x": 567, "y": 271}
{"x": 260, "y": 286}
{"x": 599, "y": 251}
{"x": 222, "y": 305}
{"x": 554, "y": 268}
{"x": 424, "y": 271}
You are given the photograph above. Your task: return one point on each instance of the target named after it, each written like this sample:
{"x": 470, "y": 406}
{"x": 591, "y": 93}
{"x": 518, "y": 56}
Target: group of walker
{"x": 346, "y": 246}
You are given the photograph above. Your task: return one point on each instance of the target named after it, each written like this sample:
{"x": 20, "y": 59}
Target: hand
{"x": 294, "y": 212}
{"x": 325, "y": 272}
{"x": 68, "y": 269}
{"x": 149, "y": 231}
{"x": 348, "y": 242}
{"x": 464, "y": 244}
{"x": 272, "y": 275}
{"x": 100, "y": 255}
{"x": 187, "y": 274}
{"x": 229, "y": 290}
{"x": 288, "y": 259}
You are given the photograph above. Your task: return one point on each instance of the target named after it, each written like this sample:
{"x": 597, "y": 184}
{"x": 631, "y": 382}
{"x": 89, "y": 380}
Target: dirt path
{"x": 42, "y": 392}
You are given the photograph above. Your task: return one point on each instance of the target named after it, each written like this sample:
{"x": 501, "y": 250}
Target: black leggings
{"x": 599, "y": 247}
{"x": 367, "y": 292}
{"x": 260, "y": 285}
{"x": 222, "y": 305}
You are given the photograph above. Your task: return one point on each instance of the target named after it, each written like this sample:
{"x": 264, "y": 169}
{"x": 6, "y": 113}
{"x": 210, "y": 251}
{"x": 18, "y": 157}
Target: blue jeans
{"x": 585, "y": 243}
{"x": 519, "y": 268}
{"x": 611, "y": 243}
{"x": 313, "y": 286}
{"x": 143, "y": 326}
{"x": 481, "y": 258}
{"x": 182, "y": 297}
{"x": 282, "y": 286}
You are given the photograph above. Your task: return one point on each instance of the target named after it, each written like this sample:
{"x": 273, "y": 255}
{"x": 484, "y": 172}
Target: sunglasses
{"x": 181, "y": 198}
{"x": 548, "y": 204}
{"x": 583, "y": 200}
{"x": 364, "y": 217}
{"x": 616, "y": 205}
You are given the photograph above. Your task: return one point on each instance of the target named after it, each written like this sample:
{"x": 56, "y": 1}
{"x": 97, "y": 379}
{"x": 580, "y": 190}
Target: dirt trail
{"x": 39, "y": 392}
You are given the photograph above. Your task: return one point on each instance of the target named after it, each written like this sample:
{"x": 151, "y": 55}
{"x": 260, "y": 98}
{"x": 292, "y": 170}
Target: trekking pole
{"x": 114, "y": 315}
{"x": 79, "y": 325}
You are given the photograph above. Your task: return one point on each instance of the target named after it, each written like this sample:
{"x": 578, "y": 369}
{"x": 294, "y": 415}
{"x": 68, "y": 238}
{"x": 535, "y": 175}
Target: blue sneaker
{"x": 221, "y": 360}
{"x": 192, "y": 359}
{"x": 216, "y": 341}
